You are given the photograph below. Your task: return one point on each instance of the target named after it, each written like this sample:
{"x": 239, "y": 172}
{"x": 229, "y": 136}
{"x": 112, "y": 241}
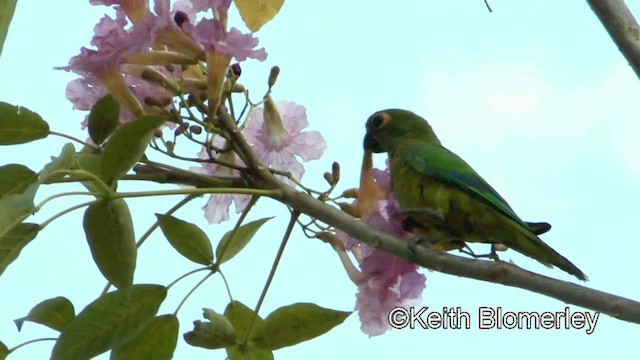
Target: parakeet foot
{"x": 409, "y": 224}
{"x": 425, "y": 240}
{"x": 493, "y": 254}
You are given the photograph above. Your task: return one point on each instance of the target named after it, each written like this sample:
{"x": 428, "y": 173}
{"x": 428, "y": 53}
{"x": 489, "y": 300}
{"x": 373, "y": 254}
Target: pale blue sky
{"x": 535, "y": 96}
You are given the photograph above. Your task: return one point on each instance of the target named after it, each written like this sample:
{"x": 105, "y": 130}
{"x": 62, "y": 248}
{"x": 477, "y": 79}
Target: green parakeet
{"x": 445, "y": 198}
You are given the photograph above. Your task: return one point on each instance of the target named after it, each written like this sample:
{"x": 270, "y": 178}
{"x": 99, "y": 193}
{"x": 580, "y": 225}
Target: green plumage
{"x": 426, "y": 175}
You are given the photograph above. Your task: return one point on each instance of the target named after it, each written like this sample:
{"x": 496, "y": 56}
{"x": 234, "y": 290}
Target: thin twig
{"x": 488, "y": 7}
{"x": 272, "y": 273}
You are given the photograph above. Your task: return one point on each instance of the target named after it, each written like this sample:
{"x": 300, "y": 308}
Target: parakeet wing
{"x": 438, "y": 162}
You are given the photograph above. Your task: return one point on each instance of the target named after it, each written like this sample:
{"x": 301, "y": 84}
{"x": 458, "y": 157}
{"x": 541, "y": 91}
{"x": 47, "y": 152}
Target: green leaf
{"x": 90, "y": 162}
{"x": 7, "y": 8}
{"x": 157, "y": 341}
{"x": 188, "y": 239}
{"x": 109, "y": 230}
{"x": 241, "y": 317}
{"x": 240, "y": 352}
{"x": 14, "y": 208}
{"x": 103, "y": 119}
{"x": 213, "y": 334}
{"x": 109, "y": 321}
{"x": 256, "y": 13}
{"x": 55, "y": 169}
{"x": 126, "y": 146}
{"x": 15, "y": 179}
{"x": 14, "y": 241}
{"x": 56, "y": 313}
{"x": 230, "y": 246}
{"x": 18, "y": 186}
{"x": 293, "y": 324}
{"x": 20, "y": 125}
{"x": 4, "y": 351}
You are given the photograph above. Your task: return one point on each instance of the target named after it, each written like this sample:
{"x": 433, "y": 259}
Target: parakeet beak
{"x": 370, "y": 143}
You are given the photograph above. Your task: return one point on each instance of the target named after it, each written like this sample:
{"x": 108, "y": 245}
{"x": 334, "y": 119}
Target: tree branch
{"x": 622, "y": 27}
{"x": 496, "y": 272}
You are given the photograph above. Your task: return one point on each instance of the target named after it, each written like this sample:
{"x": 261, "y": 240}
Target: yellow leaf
{"x": 256, "y": 13}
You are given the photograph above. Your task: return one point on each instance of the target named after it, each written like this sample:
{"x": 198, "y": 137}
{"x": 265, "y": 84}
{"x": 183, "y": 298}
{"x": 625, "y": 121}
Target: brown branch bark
{"x": 622, "y": 27}
{"x": 495, "y": 272}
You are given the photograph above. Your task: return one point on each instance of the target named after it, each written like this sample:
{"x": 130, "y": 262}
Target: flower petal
{"x": 217, "y": 208}
{"x": 309, "y": 145}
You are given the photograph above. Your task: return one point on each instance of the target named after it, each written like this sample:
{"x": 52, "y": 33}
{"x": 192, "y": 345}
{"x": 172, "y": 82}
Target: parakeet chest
{"x": 463, "y": 213}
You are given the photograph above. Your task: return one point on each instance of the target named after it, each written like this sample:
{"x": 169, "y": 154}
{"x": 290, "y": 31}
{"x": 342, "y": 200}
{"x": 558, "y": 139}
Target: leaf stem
{"x": 192, "y": 291}
{"x": 226, "y": 284}
{"x": 155, "y": 225}
{"x": 72, "y": 138}
{"x": 30, "y": 342}
{"x": 64, "y": 212}
{"x": 276, "y": 261}
{"x": 53, "y": 197}
{"x": 186, "y": 275}
{"x": 252, "y": 202}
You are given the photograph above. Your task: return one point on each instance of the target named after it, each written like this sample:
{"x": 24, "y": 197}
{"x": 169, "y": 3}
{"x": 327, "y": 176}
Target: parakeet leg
{"x": 434, "y": 242}
{"x": 467, "y": 250}
{"x": 422, "y": 239}
{"x": 493, "y": 254}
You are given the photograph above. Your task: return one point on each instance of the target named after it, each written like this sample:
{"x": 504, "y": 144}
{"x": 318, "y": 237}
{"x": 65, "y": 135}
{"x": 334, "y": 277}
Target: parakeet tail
{"x": 538, "y": 228}
{"x": 531, "y": 245}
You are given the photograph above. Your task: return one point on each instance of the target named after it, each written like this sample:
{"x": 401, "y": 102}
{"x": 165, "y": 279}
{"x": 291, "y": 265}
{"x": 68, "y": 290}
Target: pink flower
{"x": 85, "y": 91}
{"x": 278, "y": 138}
{"x": 114, "y": 44}
{"x": 135, "y": 9}
{"x": 384, "y": 281}
{"x": 217, "y": 208}
{"x": 212, "y": 35}
{"x": 205, "y": 5}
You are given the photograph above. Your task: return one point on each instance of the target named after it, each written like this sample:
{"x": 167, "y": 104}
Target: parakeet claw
{"x": 493, "y": 254}
{"x": 425, "y": 240}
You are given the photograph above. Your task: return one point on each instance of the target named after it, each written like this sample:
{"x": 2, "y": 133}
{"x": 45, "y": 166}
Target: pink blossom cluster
{"x": 140, "y": 51}
{"x": 276, "y": 133}
{"x": 139, "y": 42}
{"x": 384, "y": 281}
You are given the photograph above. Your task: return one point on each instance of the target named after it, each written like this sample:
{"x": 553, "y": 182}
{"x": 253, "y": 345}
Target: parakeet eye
{"x": 377, "y": 121}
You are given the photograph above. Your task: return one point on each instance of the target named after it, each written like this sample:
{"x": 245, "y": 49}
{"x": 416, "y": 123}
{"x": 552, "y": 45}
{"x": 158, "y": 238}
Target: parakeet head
{"x": 389, "y": 128}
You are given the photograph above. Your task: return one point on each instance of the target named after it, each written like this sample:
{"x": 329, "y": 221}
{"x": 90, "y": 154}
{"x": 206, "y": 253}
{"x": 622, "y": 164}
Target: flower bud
{"x": 350, "y": 209}
{"x": 335, "y": 171}
{"x": 273, "y": 76}
{"x": 236, "y": 70}
{"x": 329, "y": 178}
{"x": 174, "y": 116}
{"x": 237, "y": 88}
{"x": 181, "y": 129}
{"x": 196, "y": 129}
{"x": 330, "y": 238}
{"x": 274, "y": 126}
{"x": 351, "y": 193}
{"x": 180, "y": 18}
{"x": 160, "y": 102}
